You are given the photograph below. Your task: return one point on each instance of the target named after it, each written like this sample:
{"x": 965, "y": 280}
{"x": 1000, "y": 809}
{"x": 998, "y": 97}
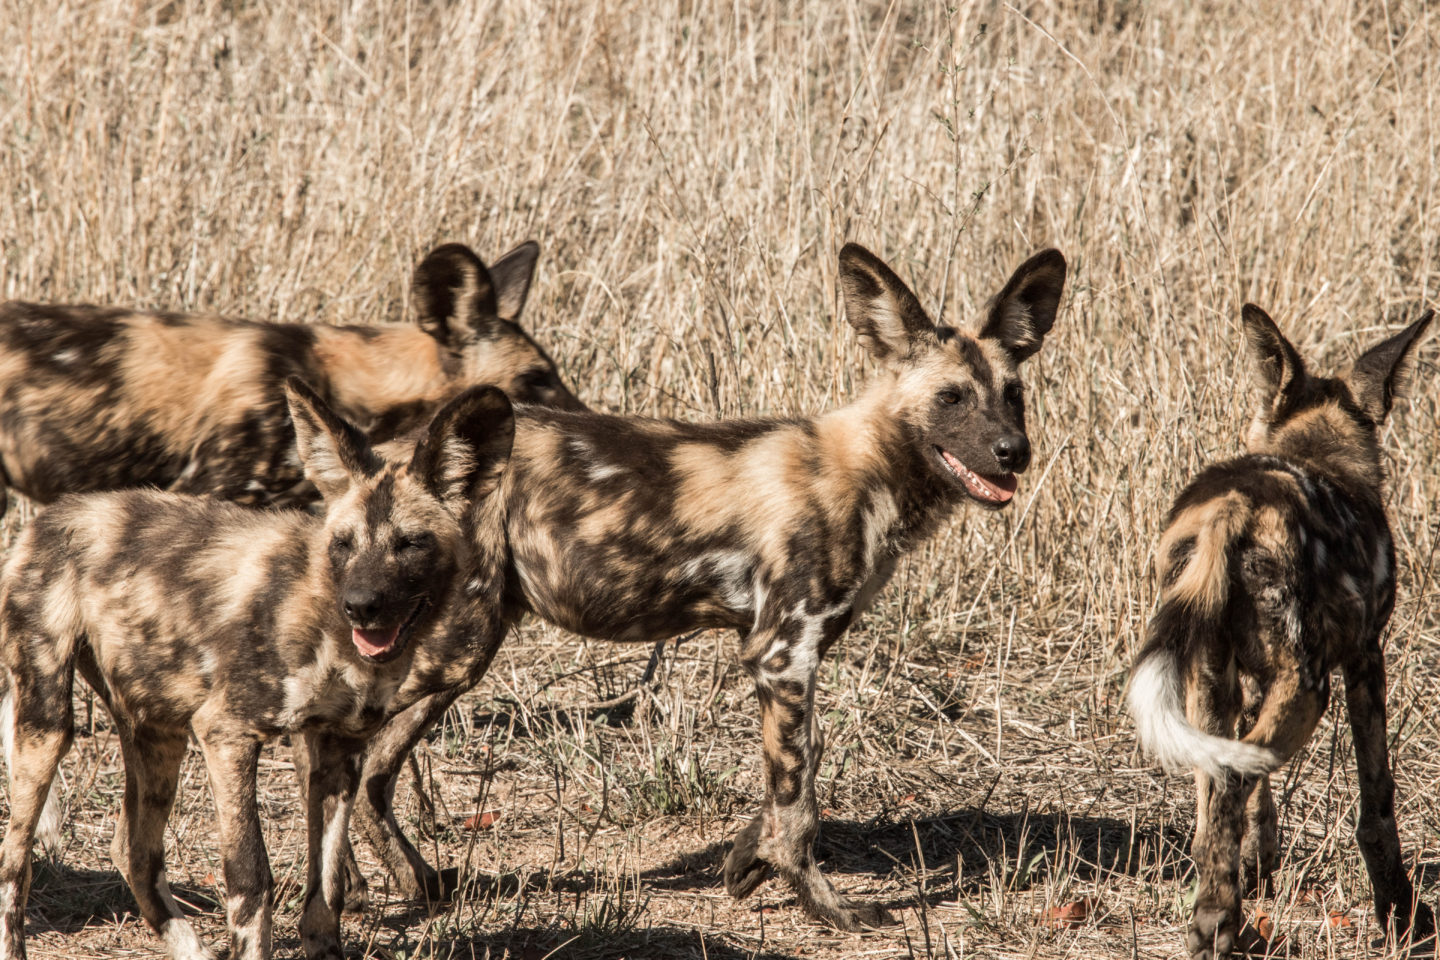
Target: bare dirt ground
{"x": 691, "y": 170}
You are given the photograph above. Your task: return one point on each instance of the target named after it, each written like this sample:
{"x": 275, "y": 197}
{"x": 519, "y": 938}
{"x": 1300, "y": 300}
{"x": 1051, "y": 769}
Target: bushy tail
{"x": 1165, "y": 733}
{"x": 1192, "y": 606}
{"x": 47, "y": 830}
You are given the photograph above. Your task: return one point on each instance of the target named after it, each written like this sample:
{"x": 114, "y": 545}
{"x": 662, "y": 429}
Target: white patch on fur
{"x": 730, "y": 572}
{"x": 1167, "y": 735}
{"x": 182, "y": 942}
{"x": 332, "y": 877}
{"x": 65, "y": 357}
{"x": 457, "y": 465}
{"x": 1380, "y": 566}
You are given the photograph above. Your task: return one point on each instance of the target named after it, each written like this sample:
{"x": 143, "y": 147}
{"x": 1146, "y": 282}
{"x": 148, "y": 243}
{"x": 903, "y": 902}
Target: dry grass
{"x": 691, "y": 170}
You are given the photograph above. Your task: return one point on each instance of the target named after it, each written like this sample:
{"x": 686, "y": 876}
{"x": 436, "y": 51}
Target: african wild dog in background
{"x": 98, "y": 398}
{"x": 1277, "y": 568}
{"x": 633, "y": 529}
{"x": 190, "y": 614}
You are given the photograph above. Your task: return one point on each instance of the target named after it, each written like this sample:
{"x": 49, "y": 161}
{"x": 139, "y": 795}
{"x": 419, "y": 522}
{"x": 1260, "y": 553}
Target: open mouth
{"x": 996, "y": 490}
{"x": 383, "y": 644}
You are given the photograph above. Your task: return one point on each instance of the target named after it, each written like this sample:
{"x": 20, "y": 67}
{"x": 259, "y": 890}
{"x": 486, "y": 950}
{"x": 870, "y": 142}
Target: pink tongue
{"x": 372, "y": 643}
{"x": 1000, "y": 489}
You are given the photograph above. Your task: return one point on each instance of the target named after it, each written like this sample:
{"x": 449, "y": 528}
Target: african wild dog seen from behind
{"x": 96, "y": 398}
{"x": 633, "y": 529}
{"x": 189, "y": 614}
{"x": 1276, "y": 569}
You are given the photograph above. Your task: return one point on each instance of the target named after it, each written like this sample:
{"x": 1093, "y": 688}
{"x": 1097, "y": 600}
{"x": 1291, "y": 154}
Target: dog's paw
{"x": 856, "y": 915}
{"x": 744, "y": 870}
{"x": 1212, "y": 933}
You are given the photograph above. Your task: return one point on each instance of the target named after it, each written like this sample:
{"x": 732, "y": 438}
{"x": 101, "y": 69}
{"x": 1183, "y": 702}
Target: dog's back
{"x": 1267, "y": 562}
{"x": 98, "y": 398}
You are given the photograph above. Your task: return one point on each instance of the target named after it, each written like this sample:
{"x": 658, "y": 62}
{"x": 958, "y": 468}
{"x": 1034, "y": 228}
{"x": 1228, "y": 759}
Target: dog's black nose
{"x": 362, "y": 605}
{"x": 1012, "y": 451}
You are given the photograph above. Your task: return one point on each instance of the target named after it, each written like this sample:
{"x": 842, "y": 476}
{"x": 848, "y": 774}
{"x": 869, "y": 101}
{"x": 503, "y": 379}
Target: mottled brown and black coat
{"x": 633, "y": 529}
{"x": 99, "y": 398}
{"x": 1276, "y": 569}
{"x": 189, "y": 615}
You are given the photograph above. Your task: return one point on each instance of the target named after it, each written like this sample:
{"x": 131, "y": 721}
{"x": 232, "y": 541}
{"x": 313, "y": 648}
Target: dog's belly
{"x": 641, "y": 601}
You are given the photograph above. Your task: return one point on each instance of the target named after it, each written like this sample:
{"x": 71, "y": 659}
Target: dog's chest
{"x": 335, "y": 694}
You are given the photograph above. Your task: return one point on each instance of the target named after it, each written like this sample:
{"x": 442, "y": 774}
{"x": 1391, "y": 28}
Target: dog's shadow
{"x": 67, "y": 899}
{"x": 962, "y": 851}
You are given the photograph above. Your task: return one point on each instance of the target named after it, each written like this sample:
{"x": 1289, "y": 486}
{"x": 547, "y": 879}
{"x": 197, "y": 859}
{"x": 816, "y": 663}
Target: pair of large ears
{"x": 460, "y": 458}
{"x": 892, "y": 325}
{"x": 1375, "y": 380}
{"x": 459, "y": 300}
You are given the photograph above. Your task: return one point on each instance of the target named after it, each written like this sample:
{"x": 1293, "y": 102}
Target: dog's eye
{"x": 949, "y": 396}
{"x": 341, "y": 546}
{"x": 414, "y": 543}
{"x": 1014, "y": 394}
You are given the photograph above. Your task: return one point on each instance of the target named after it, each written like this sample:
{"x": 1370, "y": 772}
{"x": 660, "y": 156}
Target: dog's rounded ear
{"x": 466, "y": 447}
{"x": 332, "y": 450}
{"x": 1022, "y": 313}
{"x": 883, "y": 310}
{"x": 1279, "y": 371}
{"x": 1383, "y": 371}
{"x": 455, "y": 296}
{"x": 512, "y": 275}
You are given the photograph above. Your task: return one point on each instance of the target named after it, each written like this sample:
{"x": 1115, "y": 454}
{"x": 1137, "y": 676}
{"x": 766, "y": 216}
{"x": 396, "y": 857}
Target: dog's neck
{"x": 872, "y": 438}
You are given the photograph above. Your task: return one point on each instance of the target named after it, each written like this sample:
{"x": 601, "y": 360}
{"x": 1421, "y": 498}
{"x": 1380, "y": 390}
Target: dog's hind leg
{"x": 1260, "y": 845}
{"x": 784, "y": 662}
{"x": 231, "y": 758}
{"x": 152, "y": 773}
{"x": 1395, "y": 902}
{"x": 334, "y": 773}
{"x": 48, "y": 829}
{"x": 42, "y": 730}
{"x": 1212, "y": 701}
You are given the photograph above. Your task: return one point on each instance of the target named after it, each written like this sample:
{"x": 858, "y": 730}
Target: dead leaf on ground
{"x": 1072, "y": 914}
{"x": 482, "y": 821}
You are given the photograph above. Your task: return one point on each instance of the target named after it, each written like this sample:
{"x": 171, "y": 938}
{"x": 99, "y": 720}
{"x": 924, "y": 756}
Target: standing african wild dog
{"x": 191, "y": 614}
{"x": 633, "y": 529}
{"x": 95, "y": 398}
{"x": 1276, "y": 568}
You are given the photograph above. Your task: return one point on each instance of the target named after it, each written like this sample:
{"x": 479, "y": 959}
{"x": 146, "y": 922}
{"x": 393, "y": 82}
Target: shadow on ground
{"x": 65, "y": 899}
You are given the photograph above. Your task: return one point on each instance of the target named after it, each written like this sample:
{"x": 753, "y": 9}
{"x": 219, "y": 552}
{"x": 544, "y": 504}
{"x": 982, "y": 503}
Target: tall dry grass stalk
{"x": 691, "y": 170}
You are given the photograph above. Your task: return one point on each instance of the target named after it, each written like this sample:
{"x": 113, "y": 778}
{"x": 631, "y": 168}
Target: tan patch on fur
{"x": 398, "y": 364}
{"x": 159, "y": 365}
{"x": 1324, "y": 431}
{"x": 1204, "y": 583}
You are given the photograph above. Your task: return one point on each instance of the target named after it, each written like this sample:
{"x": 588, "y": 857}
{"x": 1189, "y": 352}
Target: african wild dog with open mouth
{"x": 97, "y": 398}
{"x": 1277, "y": 568}
{"x": 634, "y": 529}
{"x": 190, "y": 614}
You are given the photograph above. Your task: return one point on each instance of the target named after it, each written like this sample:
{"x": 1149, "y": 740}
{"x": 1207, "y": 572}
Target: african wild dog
{"x": 633, "y": 529}
{"x": 1277, "y": 568}
{"x": 94, "y": 398}
{"x": 190, "y": 614}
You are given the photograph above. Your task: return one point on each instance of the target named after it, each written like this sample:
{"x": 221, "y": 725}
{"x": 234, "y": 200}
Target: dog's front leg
{"x": 231, "y": 758}
{"x": 375, "y": 810}
{"x": 334, "y": 774}
{"x": 783, "y": 660}
{"x": 1395, "y": 902}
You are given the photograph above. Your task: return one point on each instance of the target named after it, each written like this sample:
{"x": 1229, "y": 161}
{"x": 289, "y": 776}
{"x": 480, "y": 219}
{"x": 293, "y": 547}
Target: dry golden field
{"x": 691, "y": 170}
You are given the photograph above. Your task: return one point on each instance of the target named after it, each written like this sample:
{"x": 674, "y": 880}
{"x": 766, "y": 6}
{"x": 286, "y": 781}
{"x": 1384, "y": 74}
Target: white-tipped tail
{"x": 1167, "y": 735}
{"x": 47, "y": 830}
